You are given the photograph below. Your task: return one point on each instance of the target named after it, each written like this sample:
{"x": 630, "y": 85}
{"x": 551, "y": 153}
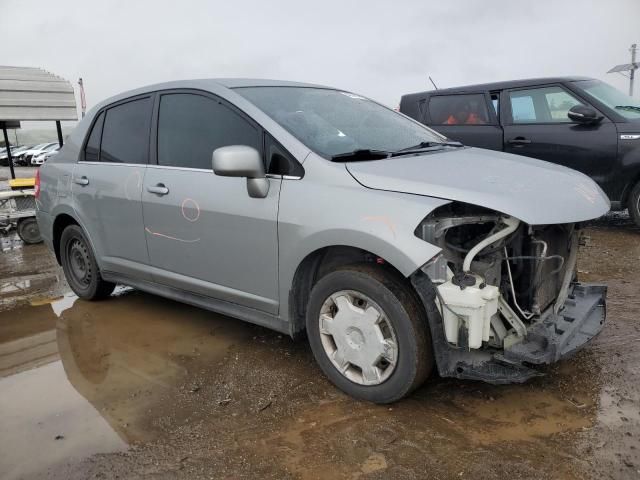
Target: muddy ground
{"x": 141, "y": 387}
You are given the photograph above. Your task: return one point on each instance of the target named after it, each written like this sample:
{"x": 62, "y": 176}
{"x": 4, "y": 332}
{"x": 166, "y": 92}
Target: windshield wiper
{"x": 628, "y": 107}
{"x": 422, "y": 146}
{"x": 360, "y": 155}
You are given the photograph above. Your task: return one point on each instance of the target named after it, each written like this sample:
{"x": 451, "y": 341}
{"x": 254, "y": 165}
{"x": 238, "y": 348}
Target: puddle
{"x": 47, "y": 424}
{"x": 26, "y": 286}
{"x": 93, "y": 372}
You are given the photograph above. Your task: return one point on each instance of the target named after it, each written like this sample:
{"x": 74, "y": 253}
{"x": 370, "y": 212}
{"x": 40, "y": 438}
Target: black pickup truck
{"x": 579, "y": 122}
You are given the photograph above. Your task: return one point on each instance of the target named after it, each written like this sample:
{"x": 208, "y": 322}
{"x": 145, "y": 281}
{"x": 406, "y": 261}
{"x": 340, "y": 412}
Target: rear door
{"x": 536, "y": 125}
{"x": 107, "y": 184}
{"x": 205, "y": 234}
{"x": 469, "y": 118}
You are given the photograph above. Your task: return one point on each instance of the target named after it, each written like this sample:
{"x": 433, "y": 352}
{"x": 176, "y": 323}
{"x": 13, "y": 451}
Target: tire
{"x": 80, "y": 266}
{"x": 634, "y": 204}
{"x": 347, "y": 334}
{"x": 28, "y": 231}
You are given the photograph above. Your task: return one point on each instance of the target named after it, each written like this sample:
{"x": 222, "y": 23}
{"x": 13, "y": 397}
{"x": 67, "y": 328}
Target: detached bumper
{"x": 560, "y": 335}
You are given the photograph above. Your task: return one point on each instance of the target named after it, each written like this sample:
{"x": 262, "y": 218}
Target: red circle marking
{"x": 195, "y": 206}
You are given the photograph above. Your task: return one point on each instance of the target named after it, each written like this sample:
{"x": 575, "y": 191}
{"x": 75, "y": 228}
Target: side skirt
{"x": 208, "y": 303}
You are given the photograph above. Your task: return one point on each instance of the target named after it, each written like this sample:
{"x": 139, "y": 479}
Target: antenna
{"x": 433, "y": 83}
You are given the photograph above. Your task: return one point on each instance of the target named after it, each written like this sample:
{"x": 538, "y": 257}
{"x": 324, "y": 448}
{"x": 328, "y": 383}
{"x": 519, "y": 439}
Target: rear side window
{"x": 459, "y": 110}
{"x": 191, "y": 127}
{"x": 125, "y": 136}
{"x": 92, "y": 149}
{"x": 541, "y": 105}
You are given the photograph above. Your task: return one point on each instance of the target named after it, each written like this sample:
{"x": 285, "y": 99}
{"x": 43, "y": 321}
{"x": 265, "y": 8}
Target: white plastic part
{"x": 473, "y": 306}
{"x": 511, "y": 225}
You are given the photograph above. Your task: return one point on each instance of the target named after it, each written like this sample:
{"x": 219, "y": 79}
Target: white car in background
{"x": 27, "y": 155}
{"x": 42, "y": 157}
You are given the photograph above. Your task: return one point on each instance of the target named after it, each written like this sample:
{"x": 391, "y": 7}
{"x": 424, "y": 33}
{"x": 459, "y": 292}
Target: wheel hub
{"x": 79, "y": 262}
{"x": 355, "y": 338}
{"x": 358, "y": 338}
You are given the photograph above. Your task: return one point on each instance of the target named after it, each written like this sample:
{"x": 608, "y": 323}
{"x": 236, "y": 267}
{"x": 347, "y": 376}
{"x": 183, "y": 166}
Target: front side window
{"x": 191, "y": 127}
{"x": 279, "y": 161}
{"x": 458, "y": 110}
{"x": 125, "y": 135}
{"x": 332, "y": 122}
{"x": 613, "y": 98}
{"x": 92, "y": 149}
{"x": 542, "y": 105}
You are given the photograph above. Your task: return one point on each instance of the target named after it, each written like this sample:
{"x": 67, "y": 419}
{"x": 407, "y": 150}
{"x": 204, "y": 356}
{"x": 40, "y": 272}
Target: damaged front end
{"x": 502, "y": 296}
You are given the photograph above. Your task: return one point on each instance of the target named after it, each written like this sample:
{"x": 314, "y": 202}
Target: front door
{"x": 537, "y": 126}
{"x": 107, "y": 185}
{"x": 204, "y": 233}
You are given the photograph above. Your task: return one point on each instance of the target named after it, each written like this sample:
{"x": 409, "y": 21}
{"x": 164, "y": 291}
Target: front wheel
{"x": 634, "y": 204}
{"x": 369, "y": 333}
{"x": 80, "y": 266}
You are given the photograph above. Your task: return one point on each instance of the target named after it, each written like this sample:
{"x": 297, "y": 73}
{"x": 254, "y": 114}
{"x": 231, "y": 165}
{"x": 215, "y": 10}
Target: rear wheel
{"x": 368, "y": 333}
{"x": 28, "y": 230}
{"x": 634, "y": 204}
{"x": 80, "y": 266}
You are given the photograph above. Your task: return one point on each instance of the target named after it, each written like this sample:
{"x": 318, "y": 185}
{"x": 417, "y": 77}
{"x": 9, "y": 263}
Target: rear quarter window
{"x": 125, "y": 135}
{"x": 465, "y": 109}
{"x": 92, "y": 148}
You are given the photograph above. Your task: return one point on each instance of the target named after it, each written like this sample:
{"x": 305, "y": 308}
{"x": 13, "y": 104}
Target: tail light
{"x": 36, "y": 186}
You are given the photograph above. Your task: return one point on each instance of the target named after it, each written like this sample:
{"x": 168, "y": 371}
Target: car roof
{"x": 207, "y": 83}
{"x": 529, "y": 82}
{"x": 261, "y": 82}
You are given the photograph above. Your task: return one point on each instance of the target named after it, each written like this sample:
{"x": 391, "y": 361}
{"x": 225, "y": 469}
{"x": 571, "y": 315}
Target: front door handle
{"x": 81, "y": 181}
{"x": 519, "y": 141}
{"x": 159, "y": 189}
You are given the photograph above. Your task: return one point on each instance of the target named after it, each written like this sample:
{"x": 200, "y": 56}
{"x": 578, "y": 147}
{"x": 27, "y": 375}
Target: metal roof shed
{"x": 34, "y": 94}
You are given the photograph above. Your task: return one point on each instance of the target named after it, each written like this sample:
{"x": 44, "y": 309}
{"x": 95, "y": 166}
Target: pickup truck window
{"x": 458, "y": 110}
{"x": 541, "y": 105}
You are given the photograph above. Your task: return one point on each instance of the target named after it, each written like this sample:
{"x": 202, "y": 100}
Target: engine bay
{"x": 496, "y": 276}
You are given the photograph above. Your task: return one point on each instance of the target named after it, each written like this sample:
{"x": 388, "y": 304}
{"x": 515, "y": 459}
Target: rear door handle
{"x": 81, "y": 181}
{"x": 159, "y": 189}
{"x": 519, "y": 141}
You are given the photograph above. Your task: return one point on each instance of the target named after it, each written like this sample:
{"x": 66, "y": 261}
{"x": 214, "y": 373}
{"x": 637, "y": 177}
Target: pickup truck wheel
{"x": 634, "y": 204}
{"x": 80, "y": 266}
{"x": 368, "y": 333}
{"x": 28, "y": 231}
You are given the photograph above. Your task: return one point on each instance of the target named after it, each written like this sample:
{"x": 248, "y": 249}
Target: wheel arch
{"x": 318, "y": 263}
{"x": 62, "y": 221}
{"x": 629, "y": 188}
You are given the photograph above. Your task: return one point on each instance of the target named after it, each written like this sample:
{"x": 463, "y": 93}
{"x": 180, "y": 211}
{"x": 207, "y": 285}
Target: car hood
{"x": 533, "y": 191}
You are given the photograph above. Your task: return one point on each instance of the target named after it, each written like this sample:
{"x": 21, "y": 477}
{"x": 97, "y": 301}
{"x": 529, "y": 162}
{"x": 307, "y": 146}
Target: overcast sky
{"x": 381, "y": 49}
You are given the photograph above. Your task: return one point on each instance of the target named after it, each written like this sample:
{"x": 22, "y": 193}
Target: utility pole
{"x": 634, "y": 47}
{"x": 83, "y": 100}
{"x": 628, "y": 67}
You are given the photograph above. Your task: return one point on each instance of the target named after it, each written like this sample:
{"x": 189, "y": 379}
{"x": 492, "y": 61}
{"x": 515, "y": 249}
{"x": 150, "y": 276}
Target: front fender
{"x": 314, "y": 216}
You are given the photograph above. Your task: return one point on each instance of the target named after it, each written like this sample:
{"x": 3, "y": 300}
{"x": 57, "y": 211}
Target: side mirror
{"x": 583, "y": 114}
{"x": 242, "y": 161}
